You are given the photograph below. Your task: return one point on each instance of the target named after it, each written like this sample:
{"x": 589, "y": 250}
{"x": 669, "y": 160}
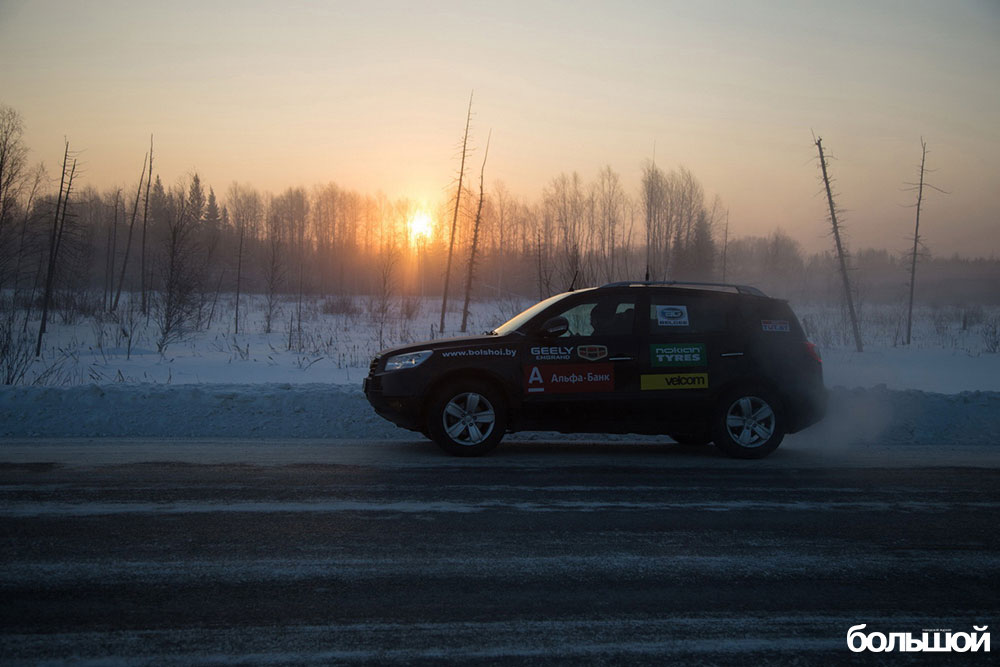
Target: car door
{"x": 581, "y": 379}
{"x": 687, "y": 355}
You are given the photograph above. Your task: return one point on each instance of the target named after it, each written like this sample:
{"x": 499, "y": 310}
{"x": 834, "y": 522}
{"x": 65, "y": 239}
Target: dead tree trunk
{"x": 919, "y": 187}
{"x": 725, "y": 246}
{"x": 841, "y": 254}
{"x": 916, "y": 240}
{"x": 239, "y": 276}
{"x": 145, "y": 213}
{"x": 454, "y": 220}
{"x": 128, "y": 240}
{"x": 145, "y": 217}
{"x": 109, "y": 264}
{"x": 475, "y": 238}
{"x": 55, "y": 240}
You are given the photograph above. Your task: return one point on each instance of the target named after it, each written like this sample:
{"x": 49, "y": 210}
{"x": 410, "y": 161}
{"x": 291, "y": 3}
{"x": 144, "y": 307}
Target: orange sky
{"x": 372, "y": 96}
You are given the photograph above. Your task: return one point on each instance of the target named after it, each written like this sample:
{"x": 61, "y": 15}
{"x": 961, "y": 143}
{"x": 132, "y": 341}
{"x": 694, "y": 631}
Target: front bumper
{"x": 402, "y": 411}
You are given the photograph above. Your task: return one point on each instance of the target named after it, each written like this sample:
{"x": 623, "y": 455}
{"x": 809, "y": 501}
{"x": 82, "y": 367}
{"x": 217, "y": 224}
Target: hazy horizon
{"x": 373, "y": 98}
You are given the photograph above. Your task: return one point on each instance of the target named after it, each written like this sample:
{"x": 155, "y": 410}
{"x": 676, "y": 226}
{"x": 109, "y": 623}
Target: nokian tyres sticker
{"x": 677, "y": 354}
{"x": 568, "y": 378}
{"x": 652, "y": 382}
{"x": 672, "y": 316}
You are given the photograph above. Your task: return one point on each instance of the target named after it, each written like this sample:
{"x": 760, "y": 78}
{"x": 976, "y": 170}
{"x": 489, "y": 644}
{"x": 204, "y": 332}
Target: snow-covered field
{"x": 215, "y": 383}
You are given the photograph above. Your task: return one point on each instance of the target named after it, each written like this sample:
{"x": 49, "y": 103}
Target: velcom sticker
{"x": 677, "y": 354}
{"x": 673, "y": 381}
{"x": 774, "y": 325}
{"x": 568, "y": 378}
{"x": 672, "y": 316}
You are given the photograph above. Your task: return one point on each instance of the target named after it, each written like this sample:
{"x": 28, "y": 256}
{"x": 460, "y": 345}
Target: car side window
{"x": 606, "y": 316}
{"x": 682, "y": 314}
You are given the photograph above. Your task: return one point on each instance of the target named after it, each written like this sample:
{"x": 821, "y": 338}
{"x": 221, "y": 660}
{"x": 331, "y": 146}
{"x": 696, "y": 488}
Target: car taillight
{"x": 813, "y": 351}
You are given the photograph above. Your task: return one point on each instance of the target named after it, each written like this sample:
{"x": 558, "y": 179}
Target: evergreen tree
{"x": 702, "y": 250}
{"x": 158, "y": 201}
{"x": 196, "y": 199}
{"x": 211, "y": 216}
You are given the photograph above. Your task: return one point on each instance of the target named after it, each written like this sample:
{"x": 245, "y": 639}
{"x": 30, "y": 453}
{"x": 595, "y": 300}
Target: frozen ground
{"x": 943, "y": 388}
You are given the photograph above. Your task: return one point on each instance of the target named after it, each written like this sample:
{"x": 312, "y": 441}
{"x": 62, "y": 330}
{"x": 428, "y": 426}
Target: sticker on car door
{"x": 677, "y": 354}
{"x": 659, "y": 381}
{"x": 672, "y": 316}
{"x": 569, "y": 378}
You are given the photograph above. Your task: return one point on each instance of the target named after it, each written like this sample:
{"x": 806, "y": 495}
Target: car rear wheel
{"x": 467, "y": 418}
{"x": 748, "y": 423}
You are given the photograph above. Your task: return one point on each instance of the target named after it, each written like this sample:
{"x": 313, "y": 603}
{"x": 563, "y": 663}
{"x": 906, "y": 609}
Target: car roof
{"x": 710, "y": 287}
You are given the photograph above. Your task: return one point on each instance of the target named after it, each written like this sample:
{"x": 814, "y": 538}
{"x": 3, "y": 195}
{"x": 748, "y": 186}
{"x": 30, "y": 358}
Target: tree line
{"x": 176, "y": 250}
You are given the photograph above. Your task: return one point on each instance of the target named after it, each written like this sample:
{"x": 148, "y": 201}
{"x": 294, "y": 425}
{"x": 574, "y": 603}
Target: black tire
{"x": 693, "y": 439}
{"x": 467, "y": 418}
{"x": 748, "y": 423}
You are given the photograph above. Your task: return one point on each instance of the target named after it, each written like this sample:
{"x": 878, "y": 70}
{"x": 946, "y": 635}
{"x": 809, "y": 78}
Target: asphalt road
{"x": 187, "y": 552}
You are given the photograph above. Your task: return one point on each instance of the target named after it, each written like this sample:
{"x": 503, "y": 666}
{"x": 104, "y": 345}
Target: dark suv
{"x": 696, "y": 361}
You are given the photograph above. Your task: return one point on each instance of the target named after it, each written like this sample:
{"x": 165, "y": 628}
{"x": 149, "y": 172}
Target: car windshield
{"x": 516, "y": 322}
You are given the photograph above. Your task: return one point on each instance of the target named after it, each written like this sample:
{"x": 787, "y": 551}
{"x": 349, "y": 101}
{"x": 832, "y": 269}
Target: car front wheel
{"x": 467, "y": 418}
{"x": 748, "y": 424}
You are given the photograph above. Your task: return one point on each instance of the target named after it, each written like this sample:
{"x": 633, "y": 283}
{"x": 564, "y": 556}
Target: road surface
{"x": 310, "y": 552}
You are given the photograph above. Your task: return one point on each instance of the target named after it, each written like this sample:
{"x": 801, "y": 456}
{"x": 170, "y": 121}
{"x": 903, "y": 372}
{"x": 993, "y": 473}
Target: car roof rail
{"x": 741, "y": 289}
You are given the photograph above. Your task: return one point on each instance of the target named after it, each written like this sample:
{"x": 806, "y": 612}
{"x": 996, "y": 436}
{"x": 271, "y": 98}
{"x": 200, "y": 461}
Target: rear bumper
{"x": 806, "y": 407}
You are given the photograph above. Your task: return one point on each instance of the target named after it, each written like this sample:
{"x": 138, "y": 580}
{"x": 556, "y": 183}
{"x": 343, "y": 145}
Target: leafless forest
{"x": 175, "y": 247}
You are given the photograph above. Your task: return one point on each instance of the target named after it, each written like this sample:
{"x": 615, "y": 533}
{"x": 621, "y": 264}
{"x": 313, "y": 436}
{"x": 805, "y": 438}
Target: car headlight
{"x": 408, "y": 360}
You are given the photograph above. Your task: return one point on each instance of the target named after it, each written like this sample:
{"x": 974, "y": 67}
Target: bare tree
{"x": 564, "y": 205}
{"x": 128, "y": 240}
{"x": 658, "y": 232}
{"x": 454, "y": 220}
{"x": 273, "y": 262}
{"x": 504, "y": 211}
{"x": 841, "y": 252}
{"x": 919, "y": 188}
{"x": 176, "y": 303}
{"x": 475, "y": 237}
{"x": 13, "y": 161}
{"x": 386, "y": 287}
{"x": 112, "y": 250}
{"x": 611, "y": 204}
{"x": 143, "y": 287}
{"x": 725, "y": 246}
{"x": 29, "y": 214}
{"x": 245, "y": 207}
{"x": 55, "y": 240}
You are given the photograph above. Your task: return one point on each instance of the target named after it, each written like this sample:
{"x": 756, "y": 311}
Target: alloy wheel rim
{"x": 750, "y": 421}
{"x": 468, "y": 418}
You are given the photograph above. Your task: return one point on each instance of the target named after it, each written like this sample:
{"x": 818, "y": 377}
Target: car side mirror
{"x": 555, "y": 327}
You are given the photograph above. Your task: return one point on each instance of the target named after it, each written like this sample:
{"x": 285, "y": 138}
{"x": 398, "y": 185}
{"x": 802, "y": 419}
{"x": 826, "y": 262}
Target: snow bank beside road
{"x": 336, "y": 411}
{"x": 177, "y": 411}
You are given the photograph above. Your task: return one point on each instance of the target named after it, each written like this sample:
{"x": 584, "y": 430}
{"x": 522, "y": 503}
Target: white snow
{"x": 216, "y": 384}
{"x": 943, "y": 371}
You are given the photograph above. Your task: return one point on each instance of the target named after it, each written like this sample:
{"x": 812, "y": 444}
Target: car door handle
{"x": 731, "y": 354}
{"x": 620, "y": 358}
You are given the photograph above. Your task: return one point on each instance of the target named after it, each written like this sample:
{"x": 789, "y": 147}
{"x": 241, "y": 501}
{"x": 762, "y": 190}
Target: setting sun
{"x": 420, "y": 227}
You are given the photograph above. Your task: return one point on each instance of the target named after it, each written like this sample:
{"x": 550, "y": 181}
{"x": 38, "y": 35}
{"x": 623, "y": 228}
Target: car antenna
{"x": 572, "y": 283}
